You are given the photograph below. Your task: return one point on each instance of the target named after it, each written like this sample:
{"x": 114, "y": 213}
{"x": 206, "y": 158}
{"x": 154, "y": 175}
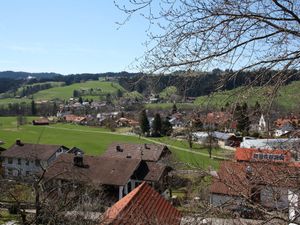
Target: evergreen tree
{"x": 33, "y": 108}
{"x": 242, "y": 117}
{"x": 174, "y": 109}
{"x": 80, "y": 100}
{"x": 144, "y": 122}
{"x": 166, "y": 128}
{"x": 257, "y": 109}
{"x": 119, "y": 93}
{"x": 156, "y": 125}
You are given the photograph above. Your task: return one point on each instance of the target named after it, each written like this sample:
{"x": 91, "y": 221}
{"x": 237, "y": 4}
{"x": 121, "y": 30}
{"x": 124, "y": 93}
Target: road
{"x": 144, "y": 138}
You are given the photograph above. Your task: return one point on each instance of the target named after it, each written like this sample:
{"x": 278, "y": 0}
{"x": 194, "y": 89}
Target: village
{"x": 260, "y": 167}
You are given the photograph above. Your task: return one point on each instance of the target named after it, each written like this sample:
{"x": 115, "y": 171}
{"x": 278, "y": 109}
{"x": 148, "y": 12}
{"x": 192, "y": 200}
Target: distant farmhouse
{"x": 23, "y": 160}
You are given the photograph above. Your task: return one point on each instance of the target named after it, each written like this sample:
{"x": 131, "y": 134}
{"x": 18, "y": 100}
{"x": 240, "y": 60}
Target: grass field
{"x": 66, "y": 92}
{"x": 287, "y": 98}
{"x": 93, "y": 141}
{"x": 6, "y": 101}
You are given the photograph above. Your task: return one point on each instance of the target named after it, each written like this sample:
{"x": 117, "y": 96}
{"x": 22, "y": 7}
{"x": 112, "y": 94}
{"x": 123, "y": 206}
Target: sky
{"x": 68, "y": 36}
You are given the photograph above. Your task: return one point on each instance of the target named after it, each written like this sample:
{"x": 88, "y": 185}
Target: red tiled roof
{"x": 74, "y": 118}
{"x": 232, "y": 177}
{"x": 142, "y": 206}
{"x": 247, "y": 154}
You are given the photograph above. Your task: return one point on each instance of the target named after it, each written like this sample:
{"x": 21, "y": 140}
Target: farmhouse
{"x": 142, "y": 206}
{"x": 268, "y": 184}
{"x": 74, "y": 119}
{"x": 126, "y": 122}
{"x": 40, "y": 122}
{"x": 119, "y": 175}
{"x": 23, "y": 159}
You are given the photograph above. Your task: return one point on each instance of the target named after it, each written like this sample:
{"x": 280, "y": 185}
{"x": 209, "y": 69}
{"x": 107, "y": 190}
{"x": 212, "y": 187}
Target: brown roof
{"x": 148, "y": 152}
{"x": 31, "y": 151}
{"x": 232, "y": 177}
{"x": 100, "y": 170}
{"x": 156, "y": 171}
{"x": 142, "y": 206}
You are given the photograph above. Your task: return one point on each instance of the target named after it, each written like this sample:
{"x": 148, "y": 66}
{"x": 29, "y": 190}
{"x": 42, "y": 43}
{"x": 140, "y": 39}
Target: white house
{"x": 23, "y": 160}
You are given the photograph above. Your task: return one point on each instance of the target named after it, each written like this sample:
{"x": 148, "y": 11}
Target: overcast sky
{"x": 67, "y": 36}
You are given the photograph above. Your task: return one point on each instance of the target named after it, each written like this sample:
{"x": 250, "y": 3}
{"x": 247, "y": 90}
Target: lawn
{"x": 94, "y": 141}
{"x": 66, "y": 92}
{"x": 287, "y": 98}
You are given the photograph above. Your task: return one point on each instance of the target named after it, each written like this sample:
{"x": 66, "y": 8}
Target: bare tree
{"x": 192, "y": 35}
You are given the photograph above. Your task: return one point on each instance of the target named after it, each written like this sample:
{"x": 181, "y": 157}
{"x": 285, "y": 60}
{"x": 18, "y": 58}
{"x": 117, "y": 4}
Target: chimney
{"x": 118, "y": 148}
{"x": 146, "y": 146}
{"x": 19, "y": 143}
{"x": 78, "y": 160}
{"x": 128, "y": 156}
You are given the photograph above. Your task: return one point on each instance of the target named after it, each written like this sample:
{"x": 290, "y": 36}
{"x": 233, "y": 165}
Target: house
{"x": 218, "y": 120}
{"x": 284, "y": 129}
{"x": 74, "y": 119}
{"x": 278, "y": 143}
{"x": 126, "y": 122}
{"x": 23, "y": 159}
{"x": 262, "y": 155}
{"x": 40, "y": 122}
{"x": 271, "y": 185}
{"x": 177, "y": 120}
{"x": 142, "y": 206}
{"x": 119, "y": 175}
{"x": 291, "y": 119}
{"x": 146, "y": 152}
{"x": 225, "y": 139}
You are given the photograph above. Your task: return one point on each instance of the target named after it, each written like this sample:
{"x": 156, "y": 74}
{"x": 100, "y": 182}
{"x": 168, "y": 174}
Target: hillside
{"x": 88, "y": 90}
{"x": 287, "y": 98}
{"x": 99, "y": 88}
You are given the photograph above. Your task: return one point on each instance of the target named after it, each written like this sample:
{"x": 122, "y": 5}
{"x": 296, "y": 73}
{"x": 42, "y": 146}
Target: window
{"x": 27, "y": 173}
{"x": 37, "y": 162}
{"x": 27, "y": 162}
{"x": 10, "y": 161}
{"x": 10, "y": 172}
{"x": 19, "y": 161}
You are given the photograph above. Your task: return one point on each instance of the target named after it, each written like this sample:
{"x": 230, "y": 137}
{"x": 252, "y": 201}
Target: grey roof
{"x": 221, "y": 135}
{"x": 279, "y": 143}
{"x": 31, "y": 151}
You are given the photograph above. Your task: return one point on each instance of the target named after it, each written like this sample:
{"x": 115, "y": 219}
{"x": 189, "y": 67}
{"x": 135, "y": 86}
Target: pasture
{"x": 94, "y": 141}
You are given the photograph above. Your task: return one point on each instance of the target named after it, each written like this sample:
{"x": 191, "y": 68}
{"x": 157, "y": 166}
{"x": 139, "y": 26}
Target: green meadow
{"x": 66, "y": 92}
{"x": 287, "y": 97}
{"x": 94, "y": 141}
